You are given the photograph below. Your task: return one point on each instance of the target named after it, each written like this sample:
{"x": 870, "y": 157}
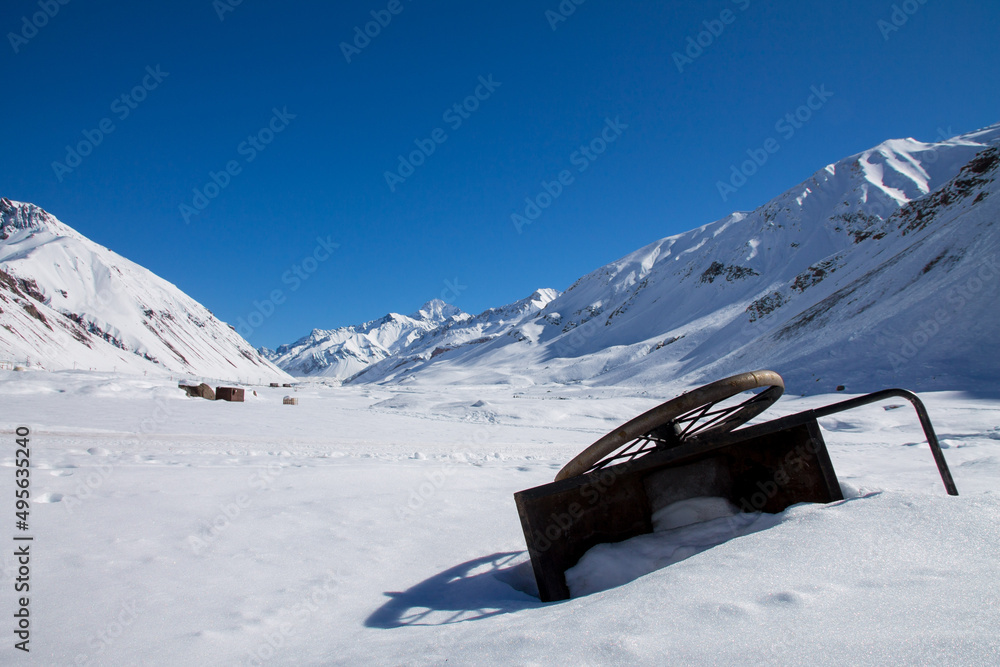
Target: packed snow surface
{"x": 376, "y": 525}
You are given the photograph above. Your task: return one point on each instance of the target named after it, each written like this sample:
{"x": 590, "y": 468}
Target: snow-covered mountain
{"x": 67, "y": 302}
{"x": 459, "y": 339}
{"x": 340, "y": 353}
{"x": 875, "y": 271}
{"x": 397, "y": 343}
{"x": 881, "y": 269}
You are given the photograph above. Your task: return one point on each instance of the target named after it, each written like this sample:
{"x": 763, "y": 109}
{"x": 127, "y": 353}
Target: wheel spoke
{"x": 693, "y": 428}
{"x": 668, "y": 425}
{"x": 701, "y": 412}
{"x": 626, "y": 453}
{"x": 718, "y": 416}
{"x": 722, "y": 416}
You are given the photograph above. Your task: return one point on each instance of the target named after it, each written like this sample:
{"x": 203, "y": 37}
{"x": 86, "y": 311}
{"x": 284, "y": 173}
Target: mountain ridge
{"x": 878, "y": 269}
{"x": 348, "y": 352}
{"x": 753, "y": 288}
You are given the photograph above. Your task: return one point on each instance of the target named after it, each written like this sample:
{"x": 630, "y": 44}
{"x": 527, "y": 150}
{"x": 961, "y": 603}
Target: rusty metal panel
{"x": 562, "y": 520}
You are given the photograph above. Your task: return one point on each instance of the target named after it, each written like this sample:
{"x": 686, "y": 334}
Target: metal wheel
{"x": 690, "y": 415}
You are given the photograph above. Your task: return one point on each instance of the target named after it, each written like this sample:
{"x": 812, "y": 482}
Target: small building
{"x": 275, "y": 384}
{"x": 231, "y": 394}
{"x": 288, "y": 400}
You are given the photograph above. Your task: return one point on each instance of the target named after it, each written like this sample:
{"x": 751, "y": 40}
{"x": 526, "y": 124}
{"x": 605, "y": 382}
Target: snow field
{"x": 377, "y": 525}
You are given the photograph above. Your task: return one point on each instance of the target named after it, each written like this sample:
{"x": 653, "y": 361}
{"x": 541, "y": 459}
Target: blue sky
{"x": 590, "y": 113}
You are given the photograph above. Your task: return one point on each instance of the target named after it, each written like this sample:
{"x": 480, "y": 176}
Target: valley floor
{"x": 375, "y": 525}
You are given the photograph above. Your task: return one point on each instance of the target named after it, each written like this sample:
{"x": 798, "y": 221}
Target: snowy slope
{"x": 878, "y": 270}
{"x": 67, "y": 302}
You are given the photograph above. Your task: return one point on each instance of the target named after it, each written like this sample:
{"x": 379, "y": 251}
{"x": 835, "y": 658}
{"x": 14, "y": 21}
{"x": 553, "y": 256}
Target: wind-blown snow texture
{"x": 879, "y": 270}
{"x": 68, "y": 302}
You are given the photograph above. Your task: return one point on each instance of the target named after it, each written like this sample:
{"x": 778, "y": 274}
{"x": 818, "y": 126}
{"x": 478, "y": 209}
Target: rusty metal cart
{"x": 688, "y": 448}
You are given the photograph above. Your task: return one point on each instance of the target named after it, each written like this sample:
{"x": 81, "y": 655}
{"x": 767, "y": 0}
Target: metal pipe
{"x": 802, "y": 417}
{"x": 925, "y": 422}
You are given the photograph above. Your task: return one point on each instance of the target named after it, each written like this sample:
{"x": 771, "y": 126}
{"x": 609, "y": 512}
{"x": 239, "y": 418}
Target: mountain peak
{"x": 438, "y": 311}
{"x": 543, "y": 296}
{"x": 18, "y": 216}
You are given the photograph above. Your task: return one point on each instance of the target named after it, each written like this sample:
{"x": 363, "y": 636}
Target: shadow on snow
{"x": 498, "y": 584}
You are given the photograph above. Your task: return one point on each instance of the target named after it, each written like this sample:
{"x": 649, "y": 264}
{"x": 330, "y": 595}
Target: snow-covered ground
{"x": 376, "y": 525}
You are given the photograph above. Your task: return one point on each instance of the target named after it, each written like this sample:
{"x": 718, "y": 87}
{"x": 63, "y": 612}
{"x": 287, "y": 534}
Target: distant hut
{"x": 231, "y": 394}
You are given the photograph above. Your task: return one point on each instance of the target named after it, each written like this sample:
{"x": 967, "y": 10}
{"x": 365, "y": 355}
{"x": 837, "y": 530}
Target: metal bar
{"x": 719, "y": 416}
{"x": 925, "y": 422}
{"x": 850, "y": 404}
